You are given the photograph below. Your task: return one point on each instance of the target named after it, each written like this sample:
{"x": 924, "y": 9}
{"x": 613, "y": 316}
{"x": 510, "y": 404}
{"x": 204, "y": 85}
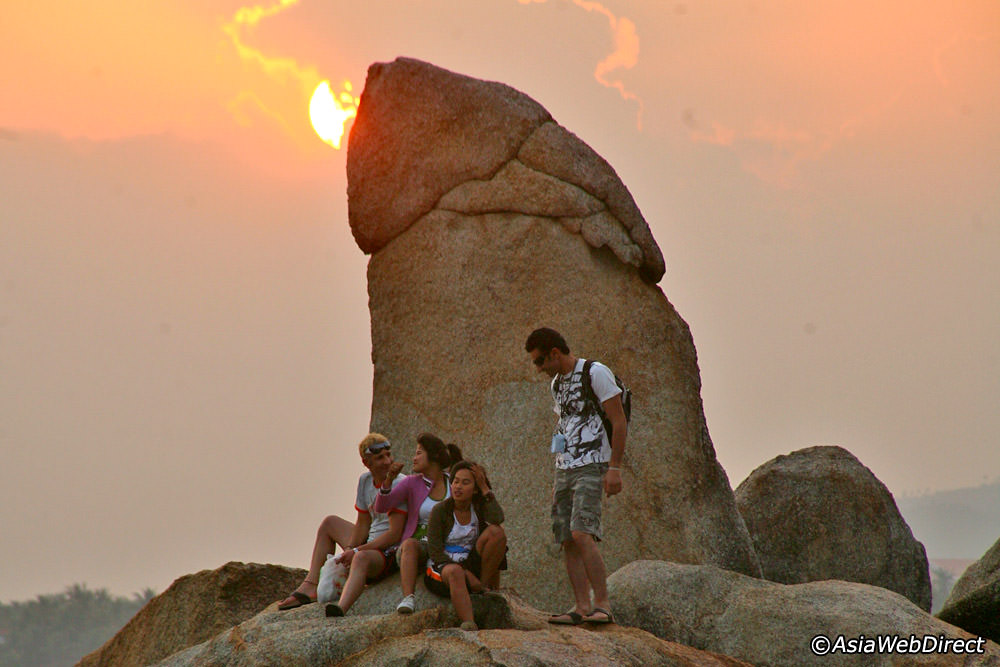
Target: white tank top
{"x": 462, "y": 539}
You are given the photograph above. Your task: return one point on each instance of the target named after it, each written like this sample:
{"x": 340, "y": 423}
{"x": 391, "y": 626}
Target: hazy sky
{"x": 184, "y": 335}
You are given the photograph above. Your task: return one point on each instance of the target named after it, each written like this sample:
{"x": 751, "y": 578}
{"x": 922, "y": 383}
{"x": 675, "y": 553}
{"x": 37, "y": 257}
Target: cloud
{"x": 625, "y": 54}
{"x": 775, "y": 150}
{"x": 280, "y": 69}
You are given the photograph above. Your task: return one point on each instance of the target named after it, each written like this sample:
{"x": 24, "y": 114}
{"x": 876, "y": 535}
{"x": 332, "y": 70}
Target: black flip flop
{"x": 334, "y": 610}
{"x": 574, "y": 618}
{"x": 301, "y": 599}
{"x": 599, "y": 621}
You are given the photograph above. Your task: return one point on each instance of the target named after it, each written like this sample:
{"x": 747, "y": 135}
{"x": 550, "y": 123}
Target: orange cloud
{"x": 328, "y": 116}
{"x": 624, "y": 56}
{"x": 773, "y": 151}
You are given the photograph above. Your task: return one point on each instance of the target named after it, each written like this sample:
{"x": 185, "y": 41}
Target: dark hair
{"x": 467, "y": 465}
{"x": 544, "y": 340}
{"x": 438, "y": 452}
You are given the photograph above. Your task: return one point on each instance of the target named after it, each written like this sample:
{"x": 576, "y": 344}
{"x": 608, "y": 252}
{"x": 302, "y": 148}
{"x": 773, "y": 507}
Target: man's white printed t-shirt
{"x": 579, "y": 421}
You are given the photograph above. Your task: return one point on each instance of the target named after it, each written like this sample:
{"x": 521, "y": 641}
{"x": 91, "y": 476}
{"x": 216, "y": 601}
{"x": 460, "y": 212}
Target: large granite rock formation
{"x": 487, "y": 219}
{"x": 974, "y": 603}
{"x": 766, "y": 623}
{"x": 511, "y": 633}
{"x": 194, "y": 608}
{"x": 818, "y": 513}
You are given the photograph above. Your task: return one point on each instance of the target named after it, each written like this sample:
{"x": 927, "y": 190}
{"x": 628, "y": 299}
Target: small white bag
{"x": 332, "y": 577}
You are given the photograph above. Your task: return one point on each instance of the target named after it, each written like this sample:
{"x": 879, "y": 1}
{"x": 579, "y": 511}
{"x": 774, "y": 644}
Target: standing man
{"x": 588, "y": 460}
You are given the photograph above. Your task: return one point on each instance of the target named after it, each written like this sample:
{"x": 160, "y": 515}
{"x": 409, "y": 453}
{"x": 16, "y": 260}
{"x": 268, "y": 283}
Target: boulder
{"x": 468, "y": 260}
{"x": 974, "y": 603}
{"x": 511, "y": 633}
{"x": 195, "y": 608}
{"x": 767, "y": 623}
{"x": 423, "y": 133}
{"x": 818, "y": 513}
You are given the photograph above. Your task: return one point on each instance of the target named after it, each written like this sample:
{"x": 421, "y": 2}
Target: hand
{"x": 612, "y": 482}
{"x": 346, "y": 557}
{"x": 394, "y": 469}
{"x": 480, "y": 476}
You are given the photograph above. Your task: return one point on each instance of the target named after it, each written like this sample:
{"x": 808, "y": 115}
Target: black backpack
{"x": 589, "y": 395}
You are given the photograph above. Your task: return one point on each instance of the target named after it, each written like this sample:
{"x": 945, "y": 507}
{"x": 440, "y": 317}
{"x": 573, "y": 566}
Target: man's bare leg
{"x": 332, "y": 531}
{"x": 593, "y": 567}
{"x": 577, "y": 576}
{"x": 365, "y": 564}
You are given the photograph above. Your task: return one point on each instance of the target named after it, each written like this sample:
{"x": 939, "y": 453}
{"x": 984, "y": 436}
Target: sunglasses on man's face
{"x": 377, "y": 447}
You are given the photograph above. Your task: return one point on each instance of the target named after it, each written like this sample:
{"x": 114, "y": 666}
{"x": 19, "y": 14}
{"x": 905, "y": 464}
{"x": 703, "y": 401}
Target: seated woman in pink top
{"x": 421, "y": 491}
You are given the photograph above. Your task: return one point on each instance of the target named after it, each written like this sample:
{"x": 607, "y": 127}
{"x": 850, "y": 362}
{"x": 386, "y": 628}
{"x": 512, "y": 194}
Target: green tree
{"x": 57, "y": 630}
{"x": 942, "y": 581}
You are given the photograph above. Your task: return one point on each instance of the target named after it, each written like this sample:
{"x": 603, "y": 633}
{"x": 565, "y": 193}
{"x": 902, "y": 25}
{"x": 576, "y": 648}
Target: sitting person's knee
{"x": 494, "y": 533}
{"x": 327, "y": 524}
{"x": 409, "y": 547}
{"x": 493, "y": 538}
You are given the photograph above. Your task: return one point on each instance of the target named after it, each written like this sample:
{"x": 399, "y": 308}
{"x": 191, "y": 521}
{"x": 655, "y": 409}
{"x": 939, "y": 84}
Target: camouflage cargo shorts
{"x": 576, "y": 501}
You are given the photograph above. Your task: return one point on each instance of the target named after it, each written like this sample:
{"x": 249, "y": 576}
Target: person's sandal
{"x": 608, "y": 618}
{"x": 295, "y": 600}
{"x": 334, "y": 610}
{"x": 469, "y": 625}
{"x": 566, "y": 618}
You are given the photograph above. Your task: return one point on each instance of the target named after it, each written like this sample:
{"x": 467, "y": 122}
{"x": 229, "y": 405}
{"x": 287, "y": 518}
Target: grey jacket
{"x": 442, "y": 520}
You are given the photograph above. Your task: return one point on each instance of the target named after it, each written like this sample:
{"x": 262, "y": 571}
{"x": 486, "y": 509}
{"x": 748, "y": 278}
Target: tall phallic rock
{"x": 819, "y": 513}
{"x": 486, "y": 219}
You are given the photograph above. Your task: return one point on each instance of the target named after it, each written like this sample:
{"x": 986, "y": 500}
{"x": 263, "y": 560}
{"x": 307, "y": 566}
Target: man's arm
{"x": 358, "y": 537}
{"x": 619, "y": 425}
{"x": 397, "y": 520}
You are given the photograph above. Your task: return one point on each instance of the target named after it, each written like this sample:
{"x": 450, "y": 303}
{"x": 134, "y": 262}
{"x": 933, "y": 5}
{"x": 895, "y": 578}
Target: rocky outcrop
{"x": 195, "y": 608}
{"x": 511, "y": 633}
{"x": 766, "y": 623}
{"x": 818, "y": 513}
{"x": 428, "y": 139}
{"x": 487, "y": 220}
{"x": 974, "y": 603}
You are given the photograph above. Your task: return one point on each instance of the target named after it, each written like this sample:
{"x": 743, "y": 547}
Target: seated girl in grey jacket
{"x": 465, "y": 543}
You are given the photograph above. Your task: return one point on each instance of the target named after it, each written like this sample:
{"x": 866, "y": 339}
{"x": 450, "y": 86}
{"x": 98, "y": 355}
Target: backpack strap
{"x": 589, "y": 395}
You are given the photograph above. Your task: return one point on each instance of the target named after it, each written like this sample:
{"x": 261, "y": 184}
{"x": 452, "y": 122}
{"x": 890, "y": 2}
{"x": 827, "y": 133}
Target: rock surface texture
{"x": 511, "y": 633}
{"x": 766, "y": 623}
{"x": 818, "y": 513}
{"x": 486, "y": 219}
{"x": 974, "y": 603}
{"x": 193, "y": 609}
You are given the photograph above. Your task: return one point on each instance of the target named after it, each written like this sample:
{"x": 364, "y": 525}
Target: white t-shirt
{"x": 579, "y": 421}
{"x": 365, "y": 502}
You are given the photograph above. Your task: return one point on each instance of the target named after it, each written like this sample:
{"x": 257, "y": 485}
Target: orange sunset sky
{"x": 184, "y": 335}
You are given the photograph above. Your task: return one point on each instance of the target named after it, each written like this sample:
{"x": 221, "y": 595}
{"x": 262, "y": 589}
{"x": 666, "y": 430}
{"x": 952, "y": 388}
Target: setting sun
{"x": 330, "y": 114}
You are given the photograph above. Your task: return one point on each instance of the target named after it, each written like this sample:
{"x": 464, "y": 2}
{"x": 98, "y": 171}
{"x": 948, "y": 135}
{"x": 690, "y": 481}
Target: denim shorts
{"x": 576, "y": 501}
